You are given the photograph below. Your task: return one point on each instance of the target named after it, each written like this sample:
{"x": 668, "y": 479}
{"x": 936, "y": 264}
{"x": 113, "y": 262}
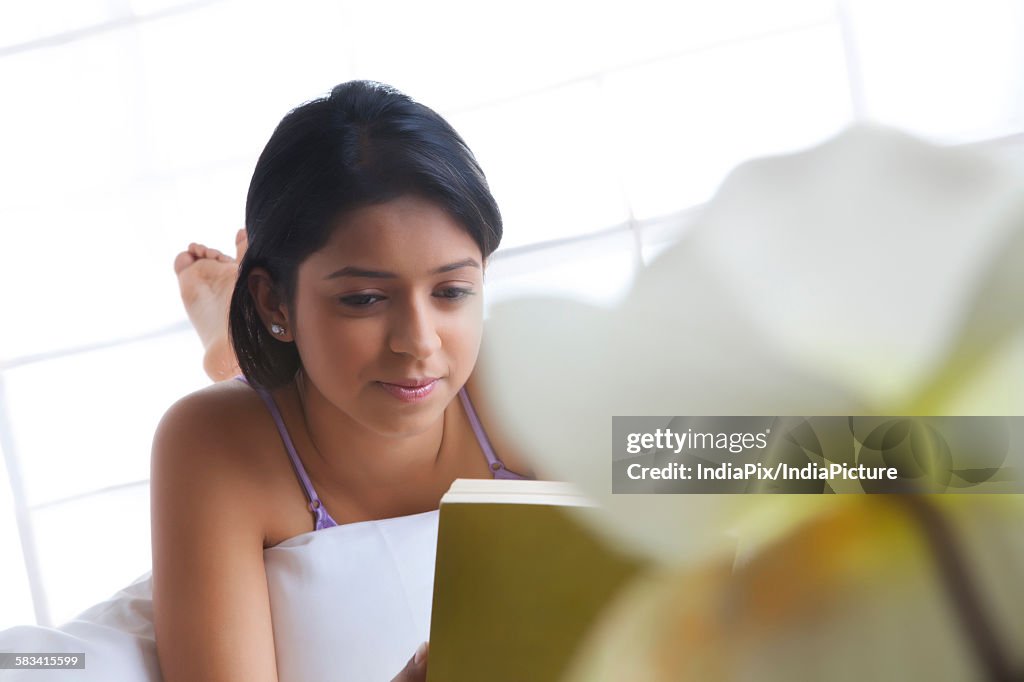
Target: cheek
{"x": 462, "y": 339}
{"x": 334, "y": 345}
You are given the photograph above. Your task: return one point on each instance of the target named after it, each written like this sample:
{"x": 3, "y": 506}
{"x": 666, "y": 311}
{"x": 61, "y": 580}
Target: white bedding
{"x": 349, "y": 603}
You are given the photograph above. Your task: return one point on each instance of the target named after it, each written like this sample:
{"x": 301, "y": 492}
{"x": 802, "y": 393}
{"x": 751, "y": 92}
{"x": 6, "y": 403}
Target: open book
{"x": 517, "y": 583}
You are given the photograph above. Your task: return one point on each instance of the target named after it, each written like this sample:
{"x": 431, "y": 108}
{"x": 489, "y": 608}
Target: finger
{"x": 416, "y": 669}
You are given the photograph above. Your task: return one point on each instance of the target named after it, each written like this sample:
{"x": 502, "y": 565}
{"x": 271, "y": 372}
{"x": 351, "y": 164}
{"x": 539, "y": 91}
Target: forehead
{"x": 406, "y": 235}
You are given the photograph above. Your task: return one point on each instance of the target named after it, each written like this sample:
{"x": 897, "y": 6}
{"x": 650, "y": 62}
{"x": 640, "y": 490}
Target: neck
{"x": 354, "y": 456}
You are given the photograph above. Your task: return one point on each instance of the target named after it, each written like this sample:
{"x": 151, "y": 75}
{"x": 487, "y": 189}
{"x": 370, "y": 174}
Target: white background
{"x": 130, "y": 128}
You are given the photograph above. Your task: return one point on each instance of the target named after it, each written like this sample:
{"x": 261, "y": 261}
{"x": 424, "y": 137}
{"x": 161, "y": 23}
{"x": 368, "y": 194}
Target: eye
{"x": 454, "y": 293}
{"x": 361, "y": 300}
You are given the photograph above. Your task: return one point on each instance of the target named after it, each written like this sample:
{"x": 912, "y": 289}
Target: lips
{"x": 410, "y": 390}
{"x": 412, "y": 383}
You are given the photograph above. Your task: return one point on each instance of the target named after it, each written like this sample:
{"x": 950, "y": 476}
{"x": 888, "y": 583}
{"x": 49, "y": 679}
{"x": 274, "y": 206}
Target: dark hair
{"x": 365, "y": 143}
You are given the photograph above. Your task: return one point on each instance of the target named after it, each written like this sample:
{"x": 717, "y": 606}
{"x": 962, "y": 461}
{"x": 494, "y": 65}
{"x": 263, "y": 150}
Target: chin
{"x": 395, "y": 419}
{"x": 407, "y": 425}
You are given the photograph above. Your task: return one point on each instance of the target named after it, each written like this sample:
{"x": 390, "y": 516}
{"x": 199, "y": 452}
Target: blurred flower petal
{"x": 835, "y": 281}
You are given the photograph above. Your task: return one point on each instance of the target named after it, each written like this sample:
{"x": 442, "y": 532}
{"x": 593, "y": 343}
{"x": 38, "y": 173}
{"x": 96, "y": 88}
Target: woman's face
{"x": 388, "y": 315}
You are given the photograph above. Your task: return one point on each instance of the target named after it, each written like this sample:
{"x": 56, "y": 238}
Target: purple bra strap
{"x": 497, "y": 466}
{"x": 323, "y": 519}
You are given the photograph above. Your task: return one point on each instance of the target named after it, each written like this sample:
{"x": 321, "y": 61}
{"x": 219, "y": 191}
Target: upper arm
{"x": 210, "y": 599}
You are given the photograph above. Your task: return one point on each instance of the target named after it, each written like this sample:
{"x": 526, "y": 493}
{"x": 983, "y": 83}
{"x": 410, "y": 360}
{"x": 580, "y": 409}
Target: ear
{"x": 269, "y": 304}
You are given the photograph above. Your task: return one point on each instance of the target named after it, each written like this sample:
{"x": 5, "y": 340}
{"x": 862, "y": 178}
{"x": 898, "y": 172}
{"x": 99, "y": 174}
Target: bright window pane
{"x": 246, "y": 65}
{"x": 547, "y": 162}
{"x": 598, "y": 271}
{"x": 948, "y": 70}
{"x": 91, "y": 547}
{"x": 69, "y": 122}
{"x": 14, "y": 589}
{"x": 462, "y": 54}
{"x": 689, "y": 121}
{"x": 94, "y": 270}
{"x": 22, "y": 22}
{"x": 87, "y": 421}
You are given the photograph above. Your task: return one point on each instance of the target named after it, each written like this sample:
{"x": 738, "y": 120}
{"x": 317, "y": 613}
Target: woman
{"x": 356, "y": 318}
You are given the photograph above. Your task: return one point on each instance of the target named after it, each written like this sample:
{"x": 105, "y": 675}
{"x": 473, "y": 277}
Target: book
{"x": 518, "y": 581}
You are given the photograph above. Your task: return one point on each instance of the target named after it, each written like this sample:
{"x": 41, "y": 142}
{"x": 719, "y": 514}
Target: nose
{"x": 414, "y": 330}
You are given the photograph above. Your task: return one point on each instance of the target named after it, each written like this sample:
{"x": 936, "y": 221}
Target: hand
{"x": 416, "y": 669}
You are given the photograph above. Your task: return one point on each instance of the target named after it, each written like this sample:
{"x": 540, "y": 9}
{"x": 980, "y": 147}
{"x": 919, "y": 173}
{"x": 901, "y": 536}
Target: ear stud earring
{"x": 277, "y": 329}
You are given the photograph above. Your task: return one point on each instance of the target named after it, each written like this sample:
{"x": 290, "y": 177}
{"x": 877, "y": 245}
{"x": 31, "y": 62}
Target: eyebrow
{"x": 352, "y": 271}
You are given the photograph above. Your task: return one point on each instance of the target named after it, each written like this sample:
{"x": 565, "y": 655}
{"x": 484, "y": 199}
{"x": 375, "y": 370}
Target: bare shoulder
{"x": 196, "y": 438}
{"x": 496, "y": 429}
{"x": 221, "y": 440}
{"x": 215, "y": 414}
{"x": 225, "y": 425}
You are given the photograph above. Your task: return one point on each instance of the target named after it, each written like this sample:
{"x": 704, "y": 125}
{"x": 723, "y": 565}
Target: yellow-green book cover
{"x": 517, "y": 583}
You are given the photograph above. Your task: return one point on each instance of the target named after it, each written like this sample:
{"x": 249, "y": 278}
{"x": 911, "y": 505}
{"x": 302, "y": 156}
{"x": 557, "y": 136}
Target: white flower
{"x": 873, "y": 275}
